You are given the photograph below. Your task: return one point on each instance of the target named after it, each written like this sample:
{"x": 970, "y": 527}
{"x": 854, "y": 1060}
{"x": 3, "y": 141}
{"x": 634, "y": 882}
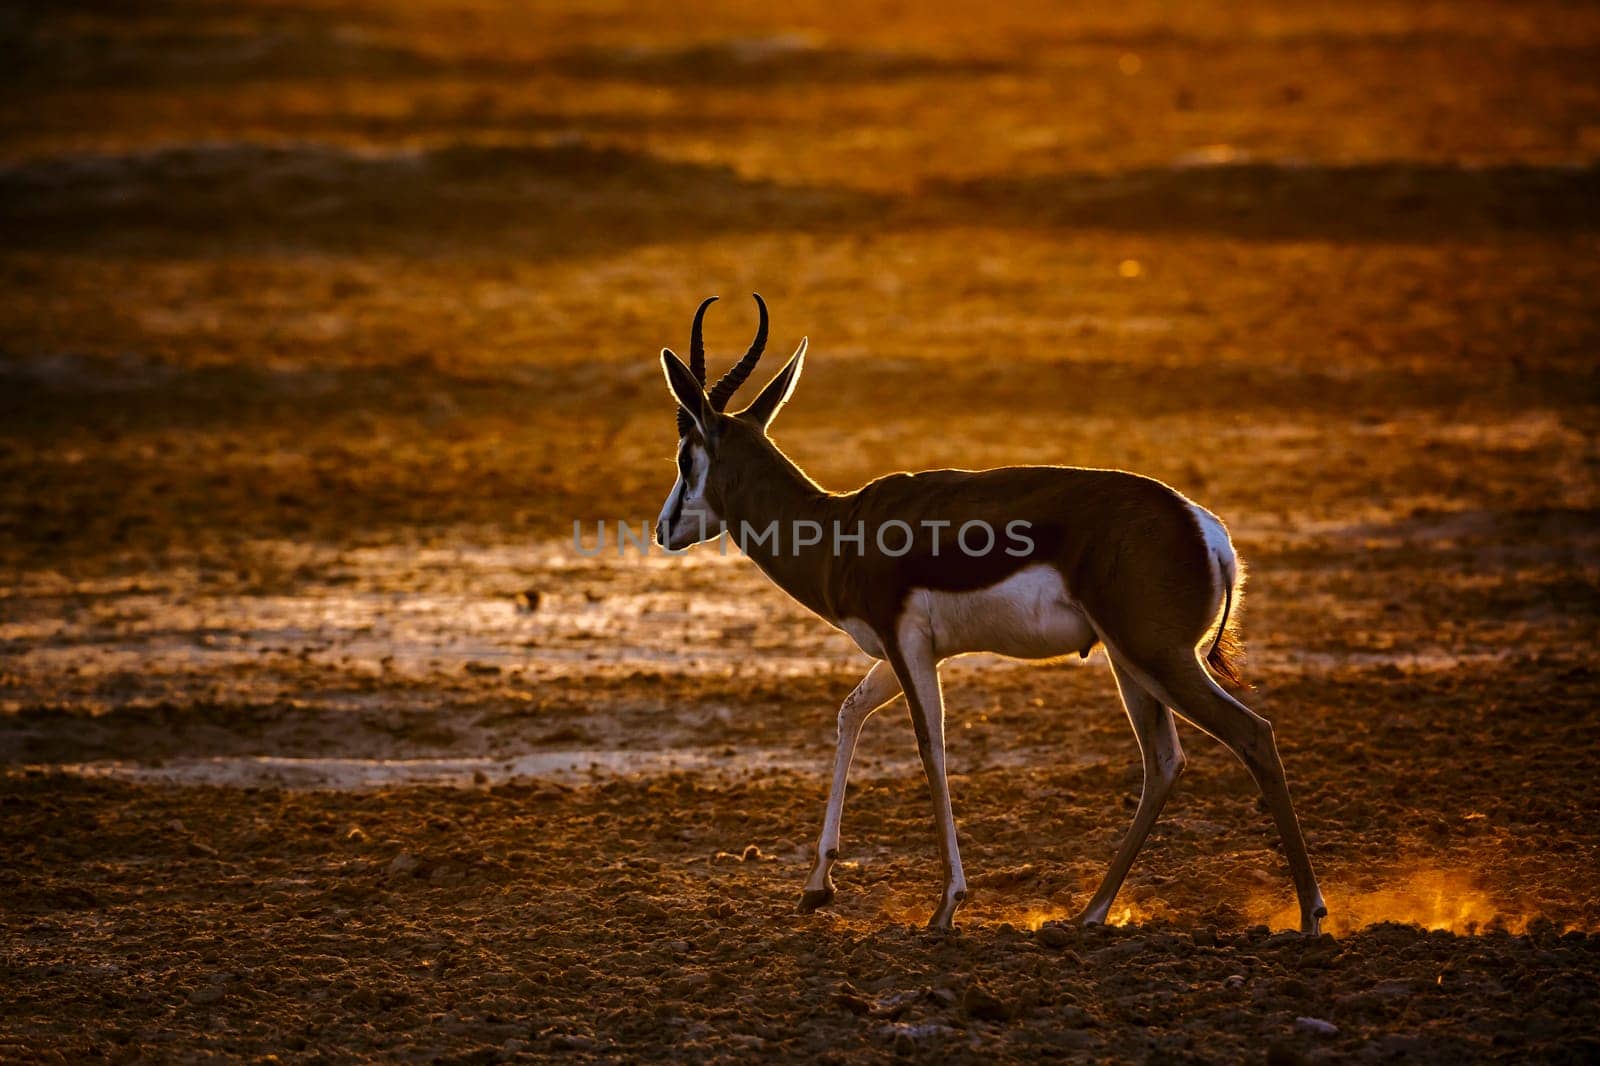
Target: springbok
{"x": 1090, "y": 557}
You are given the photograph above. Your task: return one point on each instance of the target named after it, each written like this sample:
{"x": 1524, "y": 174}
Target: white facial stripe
{"x": 671, "y": 506}
{"x": 689, "y": 519}
{"x": 699, "y": 467}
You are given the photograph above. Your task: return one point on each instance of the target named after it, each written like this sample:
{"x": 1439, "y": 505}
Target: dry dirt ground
{"x": 321, "y": 322}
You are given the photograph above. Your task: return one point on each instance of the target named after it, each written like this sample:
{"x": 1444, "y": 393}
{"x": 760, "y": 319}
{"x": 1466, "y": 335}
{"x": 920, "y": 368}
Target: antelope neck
{"x": 771, "y": 488}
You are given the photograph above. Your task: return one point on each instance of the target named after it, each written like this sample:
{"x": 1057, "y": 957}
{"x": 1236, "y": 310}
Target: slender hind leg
{"x": 1164, "y": 761}
{"x": 876, "y": 689}
{"x": 1183, "y": 684}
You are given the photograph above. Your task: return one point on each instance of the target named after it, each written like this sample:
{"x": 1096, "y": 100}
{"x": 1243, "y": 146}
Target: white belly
{"x": 1029, "y": 615}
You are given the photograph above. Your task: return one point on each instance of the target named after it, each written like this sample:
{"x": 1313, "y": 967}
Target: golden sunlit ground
{"x": 322, "y": 321}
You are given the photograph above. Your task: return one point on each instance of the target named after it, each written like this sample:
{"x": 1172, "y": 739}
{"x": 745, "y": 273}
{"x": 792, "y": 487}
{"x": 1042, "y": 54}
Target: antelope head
{"x": 710, "y": 441}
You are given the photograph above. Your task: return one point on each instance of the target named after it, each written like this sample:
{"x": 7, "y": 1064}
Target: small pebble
{"x": 980, "y": 1003}
{"x": 1053, "y": 936}
{"x": 403, "y": 863}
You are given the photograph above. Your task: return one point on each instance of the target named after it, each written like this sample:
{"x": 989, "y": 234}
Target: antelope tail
{"x": 1227, "y": 650}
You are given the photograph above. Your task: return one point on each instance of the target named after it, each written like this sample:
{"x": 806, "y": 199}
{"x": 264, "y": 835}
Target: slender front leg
{"x": 877, "y": 688}
{"x": 1164, "y": 761}
{"x": 918, "y": 669}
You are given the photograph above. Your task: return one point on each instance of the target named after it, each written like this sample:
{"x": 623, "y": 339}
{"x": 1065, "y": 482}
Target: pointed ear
{"x": 687, "y": 391}
{"x": 776, "y": 394}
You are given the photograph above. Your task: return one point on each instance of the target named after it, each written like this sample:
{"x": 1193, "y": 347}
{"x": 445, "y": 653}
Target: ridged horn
{"x": 697, "y": 361}
{"x": 725, "y": 388}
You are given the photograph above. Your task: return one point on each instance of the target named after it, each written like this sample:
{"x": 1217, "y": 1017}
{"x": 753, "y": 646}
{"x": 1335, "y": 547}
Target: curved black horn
{"x": 697, "y": 360}
{"x": 741, "y": 370}
{"x": 697, "y": 342}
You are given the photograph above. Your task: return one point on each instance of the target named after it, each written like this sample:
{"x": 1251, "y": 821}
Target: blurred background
{"x": 322, "y": 322}
{"x": 416, "y": 258}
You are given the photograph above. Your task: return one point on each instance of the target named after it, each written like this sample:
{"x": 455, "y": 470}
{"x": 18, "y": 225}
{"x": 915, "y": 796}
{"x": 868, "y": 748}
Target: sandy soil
{"x": 324, "y": 322}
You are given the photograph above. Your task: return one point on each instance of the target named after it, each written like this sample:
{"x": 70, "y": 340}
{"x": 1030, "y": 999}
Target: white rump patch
{"x": 1214, "y": 531}
{"x": 1220, "y": 549}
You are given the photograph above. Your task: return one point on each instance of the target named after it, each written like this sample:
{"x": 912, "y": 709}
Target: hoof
{"x": 1312, "y": 926}
{"x": 945, "y": 917}
{"x": 813, "y": 898}
{"x": 1093, "y": 916}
